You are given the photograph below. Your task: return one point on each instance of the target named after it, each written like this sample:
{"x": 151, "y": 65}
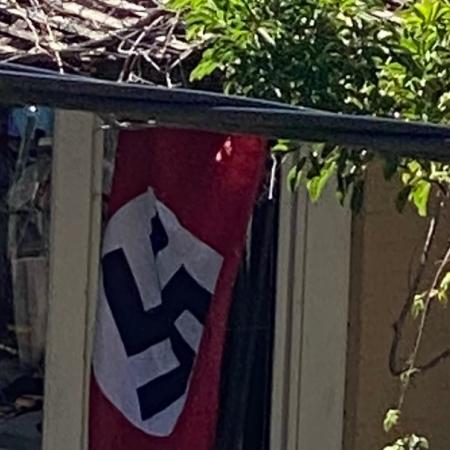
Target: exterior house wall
{"x": 384, "y": 243}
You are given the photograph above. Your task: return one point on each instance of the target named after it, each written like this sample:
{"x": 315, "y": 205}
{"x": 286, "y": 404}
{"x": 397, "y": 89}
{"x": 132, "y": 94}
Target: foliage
{"x": 391, "y": 419}
{"x": 342, "y": 55}
{"x": 440, "y": 293}
{"x": 350, "y": 56}
{"x": 411, "y": 442}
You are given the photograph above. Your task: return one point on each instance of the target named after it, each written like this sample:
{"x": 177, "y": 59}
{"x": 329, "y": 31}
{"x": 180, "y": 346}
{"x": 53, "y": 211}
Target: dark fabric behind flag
{"x": 178, "y": 214}
{"x": 246, "y": 388}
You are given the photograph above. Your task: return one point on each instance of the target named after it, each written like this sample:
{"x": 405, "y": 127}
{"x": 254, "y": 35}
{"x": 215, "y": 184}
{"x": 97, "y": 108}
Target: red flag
{"x": 178, "y": 213}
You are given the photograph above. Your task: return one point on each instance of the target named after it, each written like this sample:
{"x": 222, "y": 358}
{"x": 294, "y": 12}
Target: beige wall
{"x": 309, "y": 365}
{"x": 383, "y": 244}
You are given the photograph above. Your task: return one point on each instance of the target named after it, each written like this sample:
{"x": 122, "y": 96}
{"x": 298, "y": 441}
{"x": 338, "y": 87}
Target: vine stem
{"x": 421, "y": 328}
{"x": 399, "y": 323}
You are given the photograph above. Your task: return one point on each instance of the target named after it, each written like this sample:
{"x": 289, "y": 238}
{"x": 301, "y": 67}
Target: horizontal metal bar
{"x": 226, "y": 114}
{"x": 101, "y": 90}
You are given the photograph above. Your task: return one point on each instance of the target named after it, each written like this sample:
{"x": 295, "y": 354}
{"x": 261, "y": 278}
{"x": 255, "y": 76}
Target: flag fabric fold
{"x": 178, "y": 214}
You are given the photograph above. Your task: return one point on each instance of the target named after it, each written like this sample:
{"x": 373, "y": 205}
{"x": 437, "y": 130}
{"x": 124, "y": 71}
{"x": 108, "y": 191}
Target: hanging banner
{"x": 178, "y": 214}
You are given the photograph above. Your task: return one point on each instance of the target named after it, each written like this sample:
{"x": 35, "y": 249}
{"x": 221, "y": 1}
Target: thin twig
{"x": 154, "y": 40}
{"x": 131, "y": 53}
{"x": 170, "y": 34}
{"x": 53, "y": 43}
{"x": 412, "y": 361}
{"x": 30, "y": 24}
{"x": 399, "y": 323}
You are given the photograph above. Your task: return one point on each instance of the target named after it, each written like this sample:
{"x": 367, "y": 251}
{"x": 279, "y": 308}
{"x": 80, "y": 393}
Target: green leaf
{"x": 205, "y": 68}
{"x": 317, "y": 184}
{"x": 445, "y": 282}
{"x": 443, "y": 297}
{"x": 420, "y": 195}
{"x": 292, "y": 178}
{"x": 280, "y": 146}
{"x": 423, "y": 10}
{"x": 409, "y": 442}
{"x": 391, "y": 419}
{"x": 418, "y": 305}
{"x": 443, "y": 289}
{"x": 295, "y": 174}
{"x": 284, "y": 146}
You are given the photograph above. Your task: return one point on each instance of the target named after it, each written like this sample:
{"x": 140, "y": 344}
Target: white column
{"x": 74, "y": 257}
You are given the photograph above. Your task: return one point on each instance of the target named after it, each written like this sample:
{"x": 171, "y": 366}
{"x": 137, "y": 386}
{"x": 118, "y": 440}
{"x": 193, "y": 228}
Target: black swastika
{"x": 140, "y": 329}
